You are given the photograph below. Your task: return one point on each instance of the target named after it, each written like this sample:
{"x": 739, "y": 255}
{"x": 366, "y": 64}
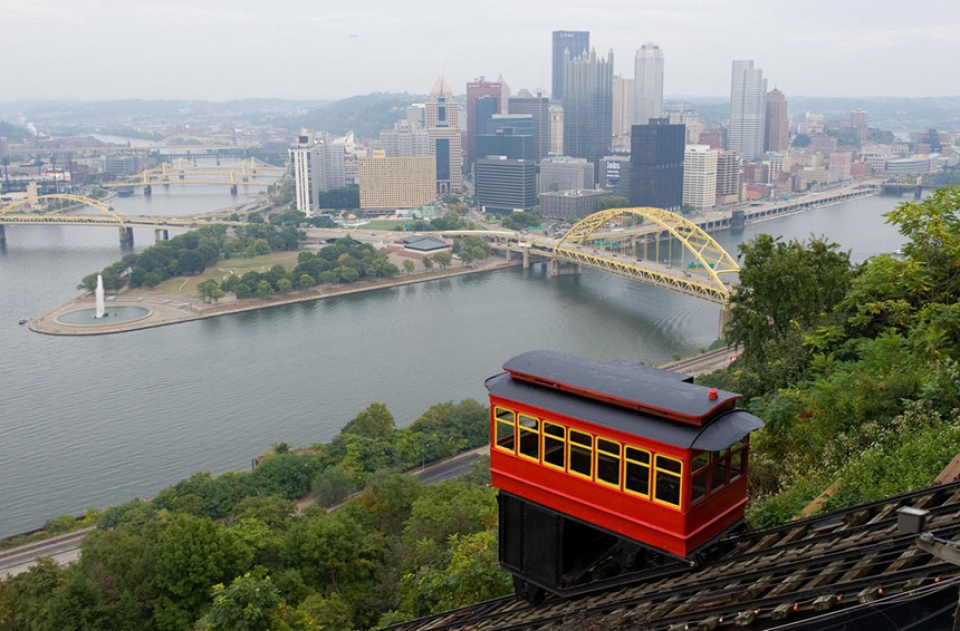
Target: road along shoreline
{"x": 166, "y": 310}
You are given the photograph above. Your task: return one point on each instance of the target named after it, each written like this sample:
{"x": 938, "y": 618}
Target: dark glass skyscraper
{"x": 577, "y": 43}
{"x": 539, "y": 110}
{"x": 588, "y": 106}
{"x": 656, "y": 164}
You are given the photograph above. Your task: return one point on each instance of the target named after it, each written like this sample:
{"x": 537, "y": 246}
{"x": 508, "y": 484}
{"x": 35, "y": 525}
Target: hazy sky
{"x": 321, "y": 49}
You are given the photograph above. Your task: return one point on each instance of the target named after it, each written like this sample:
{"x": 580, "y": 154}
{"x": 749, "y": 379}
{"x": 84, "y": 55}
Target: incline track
{"x": 789, "y": 572}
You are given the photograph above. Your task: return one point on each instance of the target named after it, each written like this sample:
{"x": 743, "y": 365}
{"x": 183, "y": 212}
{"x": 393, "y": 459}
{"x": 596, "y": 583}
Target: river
{"x": 95, "y": 421}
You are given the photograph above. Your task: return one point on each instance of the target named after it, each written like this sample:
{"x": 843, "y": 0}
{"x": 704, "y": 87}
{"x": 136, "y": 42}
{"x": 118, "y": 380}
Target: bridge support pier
{"x": 233, "y": 189}
{"x": 161, "y": 234}
{"x": 148, "y": 190}
{"x": 126, "y": 237}
{"x": 724, "y": 320}
{"x": 3, "y": 234}
{"x": 917, "y": 192}
{"x": 560, "y": 268}
{"x": 526, "y": 259}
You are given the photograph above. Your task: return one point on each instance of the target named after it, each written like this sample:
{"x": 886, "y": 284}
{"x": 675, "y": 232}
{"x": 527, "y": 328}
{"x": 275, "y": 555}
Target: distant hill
{"x": 13, "y": 133}
{"x": 897, "y": 114}
{"x": 365, "y": 115}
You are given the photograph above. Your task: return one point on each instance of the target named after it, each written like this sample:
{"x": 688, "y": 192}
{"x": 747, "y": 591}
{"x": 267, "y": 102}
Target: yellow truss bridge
{"x": 253, "y": 173}
{"x": 616, "y": 241}
{"x": 11, "y": 214}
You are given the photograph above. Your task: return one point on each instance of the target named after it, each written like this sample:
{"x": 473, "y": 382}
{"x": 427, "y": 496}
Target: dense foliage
{"x": 191, "y": 253}
{"x": 231, "y": 552}
{"x": 522, "y": 220}
{"x": 854, "y": 368}
{"x": 345, "y": 261}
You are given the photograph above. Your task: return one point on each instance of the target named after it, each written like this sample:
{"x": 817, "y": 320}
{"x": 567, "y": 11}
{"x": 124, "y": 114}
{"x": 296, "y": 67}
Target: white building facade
{"x": 700, "y": 176}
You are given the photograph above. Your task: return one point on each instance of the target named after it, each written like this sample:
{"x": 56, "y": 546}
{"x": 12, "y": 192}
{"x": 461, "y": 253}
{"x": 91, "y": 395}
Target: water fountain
{"x": 98, "y": 316}
{"x": 101, "y": 309}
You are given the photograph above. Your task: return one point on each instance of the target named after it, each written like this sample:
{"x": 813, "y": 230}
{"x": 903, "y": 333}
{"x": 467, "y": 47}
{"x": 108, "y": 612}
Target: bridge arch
{"x": 709, "y": 257}
{"x": 110, "y": 211}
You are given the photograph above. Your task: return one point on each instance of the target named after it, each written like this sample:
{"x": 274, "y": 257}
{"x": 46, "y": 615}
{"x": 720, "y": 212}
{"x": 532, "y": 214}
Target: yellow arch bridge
{"x": 252, "y": 173}
{"x": 13, "y": 214}
{"x": 631, "y": 242}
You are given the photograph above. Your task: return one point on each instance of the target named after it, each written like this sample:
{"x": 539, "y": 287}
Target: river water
{"x": 95, "y": 421}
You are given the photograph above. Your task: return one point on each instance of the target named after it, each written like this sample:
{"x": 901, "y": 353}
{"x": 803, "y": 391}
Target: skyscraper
{"x": 476, "y": 124}
{"x": 748, "y": 106}
{"x": 648, "y": 84}
{"x": 776, "y": 128}
{"x": 588, "y": 106}
{"x": 538, "y": 108}
{"x": 574, "y": 42}
{"x": 656, "y": 164}
{"x": 622, "y": 112}
{"x": 442, "y": 115}
{"x": 700, "y": 176}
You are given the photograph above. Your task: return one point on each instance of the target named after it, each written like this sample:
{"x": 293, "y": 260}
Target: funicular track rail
{"x": 830, "y": 561}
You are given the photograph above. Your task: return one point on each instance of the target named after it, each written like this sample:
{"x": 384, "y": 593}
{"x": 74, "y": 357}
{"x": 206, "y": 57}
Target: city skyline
{"x": 104, "y": 50}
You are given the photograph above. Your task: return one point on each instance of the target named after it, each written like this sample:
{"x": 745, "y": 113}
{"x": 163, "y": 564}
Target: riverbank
{"x": 164, "y": 310}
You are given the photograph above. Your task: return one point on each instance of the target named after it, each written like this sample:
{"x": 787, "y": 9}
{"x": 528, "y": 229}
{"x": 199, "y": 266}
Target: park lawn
{"x": 384, "y": 224}
{"x": 187, "y": 285}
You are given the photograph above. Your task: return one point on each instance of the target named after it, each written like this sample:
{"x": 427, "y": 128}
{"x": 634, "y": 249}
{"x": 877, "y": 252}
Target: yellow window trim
{"x": 499, "y": 421}
{"x": 521, "y": 429}
{"x": 557, "y": 439}
{"x": 615, "y": 456}
{"x": 570, "y": 445}
{"x": 679, "y": 476}
{"x": 646, "y": 465}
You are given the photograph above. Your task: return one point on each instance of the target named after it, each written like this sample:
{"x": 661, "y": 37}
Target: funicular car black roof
{"x": 648, "y": 387}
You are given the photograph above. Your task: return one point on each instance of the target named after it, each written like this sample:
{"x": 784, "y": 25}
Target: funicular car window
{"x": 529, "y": 437}
{"x": 554, "y": 444}
{"x": 506, "y": 429}
{"x": 637, "y": 471}
{"x": 667, "y": 473}
{"x": 608, "y": 462}
{"x": 737, "y": 453}
{"x": 581, "y": 453}
{"x": 720, "y": 466}
{"x": 699, "y": 465}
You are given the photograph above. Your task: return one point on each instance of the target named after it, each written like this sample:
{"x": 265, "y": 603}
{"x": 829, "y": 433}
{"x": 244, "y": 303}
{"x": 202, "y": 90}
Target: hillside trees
{"x": 852, "y": 382}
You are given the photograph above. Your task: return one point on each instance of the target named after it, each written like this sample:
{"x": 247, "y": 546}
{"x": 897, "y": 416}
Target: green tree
{"x": 443, "y": 259}
{"x": 785, "y": 290}
{"x": 373, "y": 422}
{"x": 612, "y": 201}
{"x": 408, "y": 266}
{"x": 264, "y": 290}
{"x": 306, "y": 281}
{"x": 247, "y": 604}
{"x": 801, "y": 140}
{"x": 192, "y": 555}
{"x": 427, "y": 263}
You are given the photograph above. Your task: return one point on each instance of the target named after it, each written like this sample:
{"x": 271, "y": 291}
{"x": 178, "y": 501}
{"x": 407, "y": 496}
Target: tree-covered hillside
{"x": 853, "y": 368}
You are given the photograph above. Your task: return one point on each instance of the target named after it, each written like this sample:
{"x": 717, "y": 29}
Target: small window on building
{"x": 637, "y": 471}
{"x": 667, "y": 473}
{"x": 506, "y": 429}
{"x": 529, "y": 437}
{"x": 581, "y": 453}
{"x": 608, "y": 462}
{"x": 554, "y": 444}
